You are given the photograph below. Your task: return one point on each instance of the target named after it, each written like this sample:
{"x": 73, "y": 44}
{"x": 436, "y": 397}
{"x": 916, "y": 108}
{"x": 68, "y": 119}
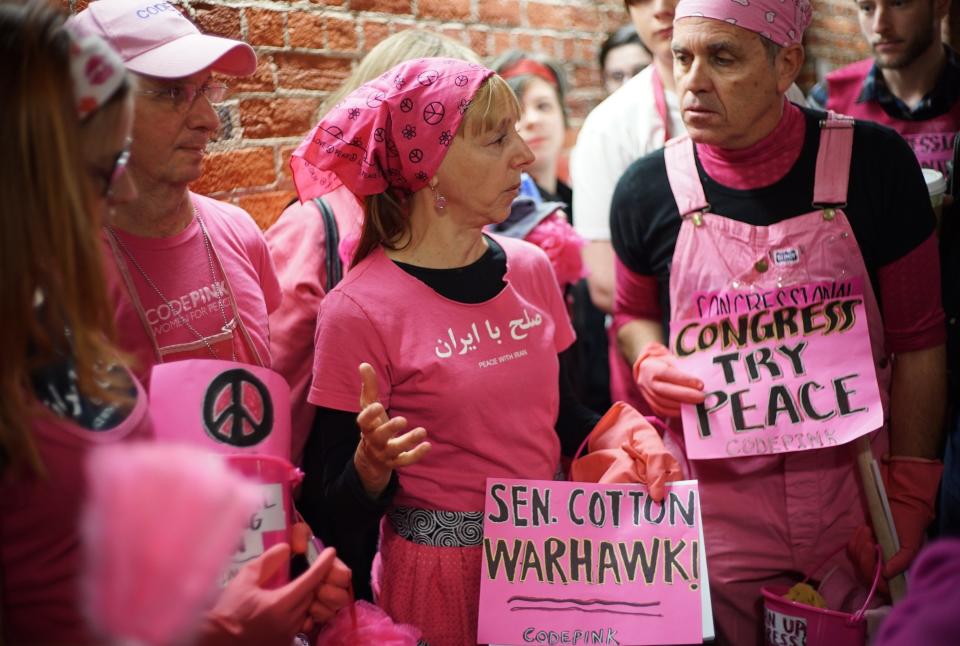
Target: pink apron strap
{"x": 683, "y": 176}
{"x": 833, "y": 161}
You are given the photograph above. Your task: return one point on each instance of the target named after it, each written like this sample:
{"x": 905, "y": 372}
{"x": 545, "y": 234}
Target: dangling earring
{"x": 439, "y": 200}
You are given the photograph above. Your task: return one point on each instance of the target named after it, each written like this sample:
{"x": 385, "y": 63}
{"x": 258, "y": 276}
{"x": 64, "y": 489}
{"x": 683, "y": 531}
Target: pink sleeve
{"x": 345, "y": 338}
{"x": 636, "y": 296}
{"x": 913, "y": 316}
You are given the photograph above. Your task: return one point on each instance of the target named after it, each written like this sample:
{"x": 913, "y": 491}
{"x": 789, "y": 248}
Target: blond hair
{"x": 51, "y": 282}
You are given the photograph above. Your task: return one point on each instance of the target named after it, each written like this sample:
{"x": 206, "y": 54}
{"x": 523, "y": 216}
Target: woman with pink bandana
{"x": 456, "y": 333}
{"x": 756, "y": 175}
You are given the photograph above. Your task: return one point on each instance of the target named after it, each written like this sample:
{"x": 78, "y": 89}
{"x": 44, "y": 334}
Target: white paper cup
{"x": 936, "y": 187}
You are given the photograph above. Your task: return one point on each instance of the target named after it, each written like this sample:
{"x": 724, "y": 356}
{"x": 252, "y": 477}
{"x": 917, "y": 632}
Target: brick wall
{"x": 306, "y": 48}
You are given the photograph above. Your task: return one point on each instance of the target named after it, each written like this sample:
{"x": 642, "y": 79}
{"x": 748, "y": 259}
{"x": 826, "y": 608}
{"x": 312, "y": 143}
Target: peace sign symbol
{"x": 406, "y": 105}
{"x": 237, "y": 402}
{"x": 433, "y": 113}
{"x": 374, "y": 100}
{"x": 416, "y": 155}
{"x": 378, "y": 134}
{"x": 461, "y": 80}
{"x": 428, "y": 77}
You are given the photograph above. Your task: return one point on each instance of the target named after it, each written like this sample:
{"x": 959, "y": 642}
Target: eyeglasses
{"x": 183, "y": 95}
{"x": 119, "y": 169}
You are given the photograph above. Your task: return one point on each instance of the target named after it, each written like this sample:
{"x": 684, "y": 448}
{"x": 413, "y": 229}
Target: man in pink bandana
{"x": 762, "y": 195}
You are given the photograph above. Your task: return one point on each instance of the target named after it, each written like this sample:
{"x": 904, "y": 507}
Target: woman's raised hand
{"x": 383, "y": 444}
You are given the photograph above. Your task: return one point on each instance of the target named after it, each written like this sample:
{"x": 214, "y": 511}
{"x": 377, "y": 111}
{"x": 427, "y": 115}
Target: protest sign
{"x": 582, "y": 563}
{"x": 787, "y": 369}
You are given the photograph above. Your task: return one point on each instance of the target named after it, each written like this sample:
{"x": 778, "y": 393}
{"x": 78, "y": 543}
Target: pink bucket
{"x": 788, "y": 623}
{"x": 272, "y": 522}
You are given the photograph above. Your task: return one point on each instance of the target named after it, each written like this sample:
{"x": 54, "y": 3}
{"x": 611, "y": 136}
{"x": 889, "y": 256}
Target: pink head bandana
{"x": 390, "y": 132}
{"x": 96, "y": 71}
{"x": 781, "y": 21}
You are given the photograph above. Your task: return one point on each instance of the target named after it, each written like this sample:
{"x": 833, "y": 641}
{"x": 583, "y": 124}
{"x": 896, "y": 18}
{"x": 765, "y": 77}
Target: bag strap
{"x": 331, "y": 244}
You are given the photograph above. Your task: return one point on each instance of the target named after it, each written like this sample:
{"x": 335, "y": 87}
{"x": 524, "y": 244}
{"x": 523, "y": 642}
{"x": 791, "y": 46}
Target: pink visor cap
{"x": 780, "y": 21}
{"x": 155, "y": 39}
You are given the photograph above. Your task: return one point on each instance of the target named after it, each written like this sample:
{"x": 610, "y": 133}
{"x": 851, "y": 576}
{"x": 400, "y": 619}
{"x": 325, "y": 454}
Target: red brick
{"x": 285, "y": 173}
{"x": 373, "y": 33}
{"x": 553, "y": 16}
{"x": 613, "y": 17}
{"x": 478, "y": 42}
{"x": 587, "y": 76}
{"x": 568, "y": 46}
{"x": 266, "y": 207}
{"x": 305, "y": 30}
{"x": 499, "y": 12}
{"x": 277, "y": 117}
{"x": 219, "y": 20}
{"x": 328, "y": 3}
{"x": 526, "y": 42}
{"x": 264, "y": 27}
{"x": 341, "y": 35}
{"x": 388, "y": 6}
{"x": 444, "y": 9}
{"x": 311, "y": 71}
{"x": 233, "y": 169}
{"x": 587, "y": 49}
{"x": 454, "y": 32}
{"x": 549, "y": 46}
{"x": 501, "y": 42}
{"x": 260, "y": 81}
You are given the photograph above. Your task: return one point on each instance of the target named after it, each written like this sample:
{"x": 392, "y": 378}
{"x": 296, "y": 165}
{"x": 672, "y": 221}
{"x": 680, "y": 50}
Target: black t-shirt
{"x": 887, "y": 203}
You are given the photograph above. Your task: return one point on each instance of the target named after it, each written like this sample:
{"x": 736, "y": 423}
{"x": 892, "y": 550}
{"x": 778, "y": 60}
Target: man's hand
{"x": 248, "y": 613}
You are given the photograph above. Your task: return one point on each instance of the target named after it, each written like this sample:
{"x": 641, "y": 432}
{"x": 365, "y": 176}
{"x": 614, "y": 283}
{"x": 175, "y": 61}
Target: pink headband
{"x": 781, "y": 21}
{"x": 390, "y": 132}
{"x": 97, "y": 71}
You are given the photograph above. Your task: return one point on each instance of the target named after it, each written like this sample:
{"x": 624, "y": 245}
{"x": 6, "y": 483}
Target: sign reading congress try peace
{"x": 788, "y": 369}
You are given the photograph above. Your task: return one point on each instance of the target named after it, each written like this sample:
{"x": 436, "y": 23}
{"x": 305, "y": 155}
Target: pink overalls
{"x": 772, "y": 519}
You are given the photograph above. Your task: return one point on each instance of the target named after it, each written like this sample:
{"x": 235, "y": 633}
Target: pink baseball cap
{"x": 155, "y": 39}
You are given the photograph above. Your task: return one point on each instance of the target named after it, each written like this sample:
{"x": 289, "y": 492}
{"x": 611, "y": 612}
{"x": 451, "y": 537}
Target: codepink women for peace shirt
{"x": 480, "y": 378}
{"x": 179, "y": 266}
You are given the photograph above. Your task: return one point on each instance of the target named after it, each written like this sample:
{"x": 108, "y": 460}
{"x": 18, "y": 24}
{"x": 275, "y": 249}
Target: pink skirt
{"x": 436, "y": 589}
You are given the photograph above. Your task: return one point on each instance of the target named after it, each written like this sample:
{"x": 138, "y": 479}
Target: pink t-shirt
{"x": 180, "y": 267}
{"x": 296, "y": 243}
{"x": 40, "y": 551}
{"x": 480, "y": 378}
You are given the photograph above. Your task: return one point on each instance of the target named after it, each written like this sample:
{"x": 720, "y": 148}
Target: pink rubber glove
{"x": 247, "y": 613}
{"x": 663, "y": 385}
{"x": 653, "y": 463}
{"x": 911, "y": 485}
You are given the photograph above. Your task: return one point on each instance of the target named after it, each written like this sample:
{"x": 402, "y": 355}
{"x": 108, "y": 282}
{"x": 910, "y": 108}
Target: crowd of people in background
{"x": 447, "y": 301}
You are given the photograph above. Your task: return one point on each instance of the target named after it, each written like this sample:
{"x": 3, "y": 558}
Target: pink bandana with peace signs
{"x": 781, "y": 21}
{"x": 390, "y": 132}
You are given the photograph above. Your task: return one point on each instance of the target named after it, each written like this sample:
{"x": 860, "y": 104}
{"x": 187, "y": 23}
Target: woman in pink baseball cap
{"x": 456, "y": 333}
